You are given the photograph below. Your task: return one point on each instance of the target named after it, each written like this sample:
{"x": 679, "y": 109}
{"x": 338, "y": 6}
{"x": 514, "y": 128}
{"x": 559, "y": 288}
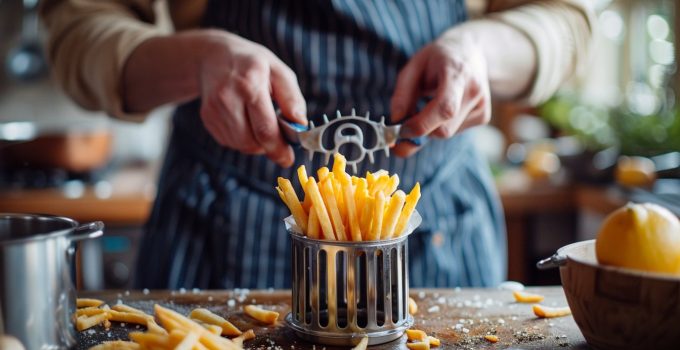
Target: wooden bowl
{"x": 618, "y": 308}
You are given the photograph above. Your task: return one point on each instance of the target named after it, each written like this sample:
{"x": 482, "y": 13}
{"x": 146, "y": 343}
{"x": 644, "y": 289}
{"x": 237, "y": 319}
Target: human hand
{"x": 238, "y": 80}
{"x": 453, "y": 72}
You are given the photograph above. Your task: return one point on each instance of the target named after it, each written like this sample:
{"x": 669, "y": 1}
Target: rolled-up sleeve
{"x": 560, "y": 31}
{"x": 88, "y": 44}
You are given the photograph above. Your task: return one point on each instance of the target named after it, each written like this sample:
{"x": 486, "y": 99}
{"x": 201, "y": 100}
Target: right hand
{"x": 238, "y": 80}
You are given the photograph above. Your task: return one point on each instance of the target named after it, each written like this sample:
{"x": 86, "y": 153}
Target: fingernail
{"x": 301, "y": 114}
{"x": 406, "y": 133}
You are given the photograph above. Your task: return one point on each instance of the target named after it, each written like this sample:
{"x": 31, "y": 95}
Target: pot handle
{"x": 86, "y": 231}
{"x": 552, "y": 262}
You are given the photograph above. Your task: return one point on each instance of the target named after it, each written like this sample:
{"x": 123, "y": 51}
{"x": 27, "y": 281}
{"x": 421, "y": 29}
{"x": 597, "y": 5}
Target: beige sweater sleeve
{"x": 560, "y": 31}
{"x": 88, "y": 44}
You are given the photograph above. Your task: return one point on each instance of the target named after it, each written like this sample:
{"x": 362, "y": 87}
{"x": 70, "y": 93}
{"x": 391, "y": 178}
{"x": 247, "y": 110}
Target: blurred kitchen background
{"x": 609, "y": 136}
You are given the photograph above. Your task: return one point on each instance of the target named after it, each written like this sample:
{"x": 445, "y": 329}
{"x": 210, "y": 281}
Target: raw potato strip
{"x": 208, "y": 317}
{"x": 392, "y": 214}
{"x": 550, "y": 312}
{"x": 247, "y": 335}
{"x": 416, "y": 335}
{"x": 173, "y": 321}
{"x": 294, "y": 204}
{"x": 362, "y": 344}
{"x": 332, "y": 206}
{"x": 377, "y": 219}
{"x": 116, "y": 345}
{"x": 352, "y": 213}
{"x": 409, "y": 207}
{"x": 313, "y": 225}
{"x": 524, "y": 297}
{"x": 262, "y": 315}
{"x": 320, "y": 208}
{"x": 86, "y": 302}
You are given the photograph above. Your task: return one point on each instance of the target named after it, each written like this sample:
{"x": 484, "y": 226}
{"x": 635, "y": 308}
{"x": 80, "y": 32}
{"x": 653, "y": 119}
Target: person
{"x": 217, "y": 221}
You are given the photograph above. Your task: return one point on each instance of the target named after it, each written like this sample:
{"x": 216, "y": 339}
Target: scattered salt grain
{"x": 231, "y": 302}
{"x": 501, "y": 321}
{"x": 145, "y": 291}
{"x": 441, "y": 300}
{"x": 182, "y": 291}
{"x": 457, "y": 289}
{"x": 210, "y": 298}
{"x": 195, "y": 290}
{"x": 466, "y": 331}
{"x": 127, "y": 293}
{"x": 433, "y": 309}
{"x": 122, "y": 324}
{"x": 458, "y": 326}
{"x": 421, "y": 295}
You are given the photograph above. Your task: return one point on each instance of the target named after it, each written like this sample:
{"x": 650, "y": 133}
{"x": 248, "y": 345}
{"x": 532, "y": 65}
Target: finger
{"x": 471, "y": 100}
{"x": 233, "y": 119}
{"x": 210, "y": 115}
{"x": 407, "y": 90}
{"x": 265, "y": 127}
{"x": 479, "y": 115}
{"x": 404, "y": 149}
{"x": 286, "y": 92}
{"x": 443, "y": 108}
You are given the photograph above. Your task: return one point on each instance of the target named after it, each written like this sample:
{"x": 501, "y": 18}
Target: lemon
{"x": 635, "y": 171}
{"x": 640, "y": 236}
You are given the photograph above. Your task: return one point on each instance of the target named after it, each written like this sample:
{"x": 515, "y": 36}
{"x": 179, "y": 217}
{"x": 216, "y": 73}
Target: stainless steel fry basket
{"x": 343, "y": 291}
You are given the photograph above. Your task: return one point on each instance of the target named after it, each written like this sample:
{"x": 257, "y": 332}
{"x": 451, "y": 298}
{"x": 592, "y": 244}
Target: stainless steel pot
{"x": 37, "y": 277}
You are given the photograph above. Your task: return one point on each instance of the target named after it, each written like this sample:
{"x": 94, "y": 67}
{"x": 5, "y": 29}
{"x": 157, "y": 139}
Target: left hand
{"x": 451, "y": 70}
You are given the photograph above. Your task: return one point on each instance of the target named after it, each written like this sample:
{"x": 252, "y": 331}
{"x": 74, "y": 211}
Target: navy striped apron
{"x": 217, "y": 221}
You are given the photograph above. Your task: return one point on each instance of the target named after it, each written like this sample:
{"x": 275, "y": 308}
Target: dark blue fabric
{"x": 217, "y": 219}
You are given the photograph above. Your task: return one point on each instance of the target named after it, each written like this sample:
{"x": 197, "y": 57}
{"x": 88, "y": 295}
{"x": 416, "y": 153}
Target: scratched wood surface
{"x": 458, "y": 317}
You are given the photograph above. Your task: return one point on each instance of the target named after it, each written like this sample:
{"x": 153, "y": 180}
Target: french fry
{"x": 150, "y": 340}
{"x": 366, "y": 217}
{"x": 313, "y": 226}
{"x": 378, "y": 185}
{"x": 377, "y": 219}
{"x": 320, "y": 208}
{"x": 524, "y": 297}
{"x": 416, "y": 335}
{"x": 332, "y": 206}
{"x": 129, "y": 309}
{"x": 550, "y": 312}
{"x": 421, "y": 345}
{"x": 362, "y": 344}
{"x": 412, "y": 306}
{"x": 370, "y": 178}
{"x": 302, "y": 175}
{"x": 116, "y": 345}
{"x": 392, "y": 184}
{"x": 293, "y": 203}
{"x": 206, "y": 316}
{"x": 189, "y": 341}
{"x": 352, "y": 213}
{"x": 153, "y": 327}
{"x": 85, "y": 322}
{"x": 339, "y": 174}
{"x": 262, "y": 315}
{"x": 409, "y": 207}
{"x": 88, "y": 302}
{"x": 434, "y": 342}
{"x": 340, "y": 201}
{"x": 247, "y": 335}
{"x": 339, "y": 165}
{"x": 303, "y": 178}
{"x": 392, "y": 214}
{"x": 360, "y": 193}
{"x": 128, "y": 317}
{"x": 322, "y": 173}
{"x": 172, "y": 321}
{"x": 90, "y": 311}
{"x": 491, "y": 338}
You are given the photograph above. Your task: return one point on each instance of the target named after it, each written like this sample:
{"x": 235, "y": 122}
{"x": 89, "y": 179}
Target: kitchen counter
{"x": 477, "y": 312}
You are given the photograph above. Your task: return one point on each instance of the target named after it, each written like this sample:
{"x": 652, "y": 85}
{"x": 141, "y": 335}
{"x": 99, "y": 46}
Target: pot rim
{"x": 39, "y": 236}
{"x": 564, "y": 251}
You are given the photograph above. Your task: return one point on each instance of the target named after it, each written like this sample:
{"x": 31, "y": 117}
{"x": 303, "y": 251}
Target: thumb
{"x": 286, "y": 92}
{"x": 407, "y": 90}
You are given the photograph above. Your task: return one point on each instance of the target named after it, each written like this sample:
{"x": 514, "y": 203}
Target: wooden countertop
{"x": 479, "y": 311}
